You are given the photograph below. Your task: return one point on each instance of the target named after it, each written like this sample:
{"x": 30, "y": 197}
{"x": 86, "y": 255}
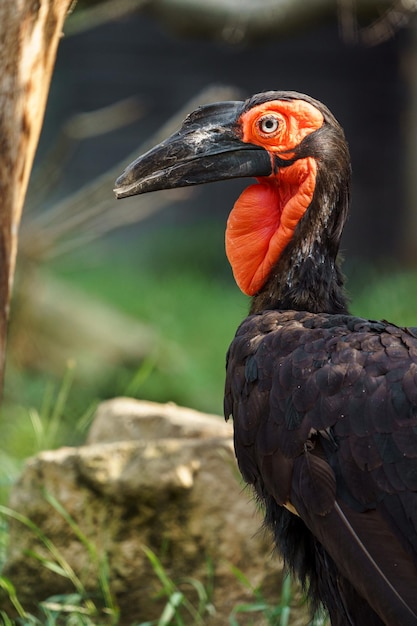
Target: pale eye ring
{"x": 268, "y": 124}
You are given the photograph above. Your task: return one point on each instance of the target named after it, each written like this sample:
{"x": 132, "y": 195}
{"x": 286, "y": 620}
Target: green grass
{"x": 74, "y": 609}
{"x": 187, "y": 600}
{"x": 195, "y": 312}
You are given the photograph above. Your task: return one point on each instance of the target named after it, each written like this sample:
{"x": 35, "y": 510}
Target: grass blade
{"x": 9, "y": 588}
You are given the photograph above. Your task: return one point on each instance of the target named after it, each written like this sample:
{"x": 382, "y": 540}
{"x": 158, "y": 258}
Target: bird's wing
{"x": 325, "y": 419}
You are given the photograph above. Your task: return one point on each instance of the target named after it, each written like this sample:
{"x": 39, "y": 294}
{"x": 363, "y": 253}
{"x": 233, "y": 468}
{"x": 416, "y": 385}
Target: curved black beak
{"x": 208, "y": 147}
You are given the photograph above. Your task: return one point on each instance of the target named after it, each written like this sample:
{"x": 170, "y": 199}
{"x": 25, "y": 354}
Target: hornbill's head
{"x": 295, "y": 148}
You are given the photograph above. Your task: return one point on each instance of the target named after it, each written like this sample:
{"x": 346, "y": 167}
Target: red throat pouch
{"x": 263, "y": 220}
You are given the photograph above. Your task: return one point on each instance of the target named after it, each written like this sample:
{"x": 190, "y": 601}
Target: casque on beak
{"x": 207, "y": 148}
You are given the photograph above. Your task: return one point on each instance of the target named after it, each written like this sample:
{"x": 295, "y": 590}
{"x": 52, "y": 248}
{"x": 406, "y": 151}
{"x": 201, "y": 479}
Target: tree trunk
{"x": 29, "y": 35}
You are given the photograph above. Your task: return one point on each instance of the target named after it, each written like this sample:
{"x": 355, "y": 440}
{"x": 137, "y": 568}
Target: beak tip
{"x": 121, "y": 188}
{"x": 124, "y": 192}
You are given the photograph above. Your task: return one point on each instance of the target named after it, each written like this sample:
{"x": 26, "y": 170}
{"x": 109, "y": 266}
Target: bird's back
{"x": 325, "y": 420}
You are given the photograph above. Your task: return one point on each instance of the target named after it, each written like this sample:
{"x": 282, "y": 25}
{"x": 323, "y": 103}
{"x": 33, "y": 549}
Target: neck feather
{"x": 307, "y": 274}
{"x": 314, "y": 284}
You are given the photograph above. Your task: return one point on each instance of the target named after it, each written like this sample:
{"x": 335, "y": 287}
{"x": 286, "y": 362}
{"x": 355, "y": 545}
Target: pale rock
{"x": 150, "y": 475}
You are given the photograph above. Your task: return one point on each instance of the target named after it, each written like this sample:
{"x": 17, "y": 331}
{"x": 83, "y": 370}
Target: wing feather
{"x": 325, "y": 418}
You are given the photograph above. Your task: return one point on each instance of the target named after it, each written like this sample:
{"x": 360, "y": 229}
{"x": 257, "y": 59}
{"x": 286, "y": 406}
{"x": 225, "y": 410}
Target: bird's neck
{"x": 263, "y": 220}
{"x": 307, "y": 275}
{"x": 283, "y": 235}
{"x": 303, "y": 282}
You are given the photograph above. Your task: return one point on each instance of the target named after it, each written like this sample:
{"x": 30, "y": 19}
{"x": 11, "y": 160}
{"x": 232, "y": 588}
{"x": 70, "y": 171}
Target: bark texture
{"x": 29, "y": 33}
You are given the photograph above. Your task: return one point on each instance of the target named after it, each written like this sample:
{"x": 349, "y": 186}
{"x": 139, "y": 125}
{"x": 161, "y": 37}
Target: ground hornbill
{"x": 324, "y": 404}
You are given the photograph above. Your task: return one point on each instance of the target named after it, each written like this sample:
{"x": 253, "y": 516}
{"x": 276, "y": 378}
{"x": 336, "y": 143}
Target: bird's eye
{"x": 268, "y": 124}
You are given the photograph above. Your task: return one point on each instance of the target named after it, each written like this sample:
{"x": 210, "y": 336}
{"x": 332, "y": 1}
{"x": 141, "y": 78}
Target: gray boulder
{"x": 155, "y": 476}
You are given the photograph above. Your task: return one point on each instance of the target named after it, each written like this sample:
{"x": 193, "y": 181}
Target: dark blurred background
{"x": 145, "y": 57}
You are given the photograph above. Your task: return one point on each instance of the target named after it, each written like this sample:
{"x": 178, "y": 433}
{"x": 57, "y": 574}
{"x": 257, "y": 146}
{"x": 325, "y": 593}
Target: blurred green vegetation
{"x": 176, "y": 281}
{"x": 193, "y": 307}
